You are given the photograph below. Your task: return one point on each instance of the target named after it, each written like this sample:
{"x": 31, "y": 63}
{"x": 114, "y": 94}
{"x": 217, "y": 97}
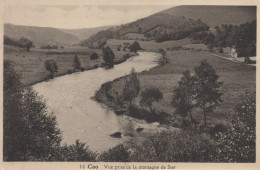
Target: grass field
{"x": 31, "y": 64}
{"x": 237, "y": 78}
{"x": 150, "y": 45}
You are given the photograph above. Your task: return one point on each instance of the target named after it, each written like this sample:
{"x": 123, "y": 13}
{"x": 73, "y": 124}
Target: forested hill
{"x": 215, "y": 15}
{"x": 158, "y": 26}
{"x": 177, "y": 23}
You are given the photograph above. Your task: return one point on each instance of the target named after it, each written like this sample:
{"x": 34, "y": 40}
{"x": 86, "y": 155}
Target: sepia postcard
{"x": 129, "y": 85}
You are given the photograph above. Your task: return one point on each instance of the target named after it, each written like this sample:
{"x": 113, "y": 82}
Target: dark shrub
{"x": 69, "y": 71}
{"x": 116, "y": 154}
{"x": 220, "y": 50}
{"x": 77, "y": 152}
{"x": 218, "y": 128}
{"x": 175, "y": 146}
{"x": 238, "y": 142}
{"x": 30, "y": 133}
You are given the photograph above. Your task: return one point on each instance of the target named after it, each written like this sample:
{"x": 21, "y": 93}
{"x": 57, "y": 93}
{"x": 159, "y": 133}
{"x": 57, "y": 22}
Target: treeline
{"x": 30, "y": 133}
{"x": 22, "y": 42}
{"x": 159, "y": 27}
{"x": 242, "y": 37}
{"x": 162, "y": 34}
{"x": 51, "y": 47}
{"x": 52, "y": 67}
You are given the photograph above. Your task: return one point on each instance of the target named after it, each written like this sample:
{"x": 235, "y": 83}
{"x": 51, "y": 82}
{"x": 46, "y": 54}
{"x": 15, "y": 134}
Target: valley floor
{"x": 237, "y": 78}
{"x": 31, "y": 64}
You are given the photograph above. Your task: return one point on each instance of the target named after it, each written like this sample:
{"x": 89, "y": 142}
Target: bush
{"x": 175, "y": 146}
{"x": 134, "y": 47}
{"x": 51, "y": 66}
{"x": 238, "y": 143}
{"x": 220, "y": 50}
{"x": 126, "y": 56}
{"x": 76, "y": 63}
{"x": 77, "y": 152}
{"x": 116, "y": 154}
{"x": 218, "y": 128}
{"x": 150, "y": 95}
{"x": 70, "y": 71}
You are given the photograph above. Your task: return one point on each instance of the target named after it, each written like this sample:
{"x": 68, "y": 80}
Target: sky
{"x": 75, "y": 16}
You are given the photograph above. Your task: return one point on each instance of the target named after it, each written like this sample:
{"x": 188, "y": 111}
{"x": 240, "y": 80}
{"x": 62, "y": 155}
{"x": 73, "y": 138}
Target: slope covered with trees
{"x": 242, "y": 37}
{"x": 160, "y": 27}
{"x": 176, "y": 23}
{"x": 215, "y": 15}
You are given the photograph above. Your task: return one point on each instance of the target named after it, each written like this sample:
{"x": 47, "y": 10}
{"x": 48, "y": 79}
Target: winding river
{"x": 80, "y": 117}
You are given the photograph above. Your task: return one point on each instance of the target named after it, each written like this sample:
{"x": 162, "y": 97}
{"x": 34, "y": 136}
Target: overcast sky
{"x": 76, "y": 16}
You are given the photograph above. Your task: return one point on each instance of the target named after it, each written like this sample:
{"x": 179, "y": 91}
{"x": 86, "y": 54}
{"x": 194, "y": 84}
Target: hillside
{"x": 85, "y": 33}
{"x": 176, "y": 23}
{"x": 40, "y": 35}
{"x": 215, "y": 15}
{"x": 160, "y": 27}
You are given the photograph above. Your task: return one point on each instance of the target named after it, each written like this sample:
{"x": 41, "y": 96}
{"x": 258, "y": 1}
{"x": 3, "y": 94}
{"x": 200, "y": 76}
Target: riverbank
{"x": 80, "y": 117}
{"x": 110, "y": 94}
{"x": 166, "y": 78}
{"x": 31, "y": 64}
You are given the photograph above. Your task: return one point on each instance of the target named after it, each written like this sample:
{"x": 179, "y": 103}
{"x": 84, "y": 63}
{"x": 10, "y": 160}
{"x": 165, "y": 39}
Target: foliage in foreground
{"x": 232, "y": 143}
{"x": 116, "y": 154}
{"x": 30, "y": 132}
{"x": 238, "y": 143}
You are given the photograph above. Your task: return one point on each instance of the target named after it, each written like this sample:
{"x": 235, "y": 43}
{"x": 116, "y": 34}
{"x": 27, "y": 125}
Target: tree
{"x": 134, "y": 47}
{"x": 238, "y": 143}
{"x": 116, "y": 154}
{"x": 150, "y": 95}
{"x": 51, "y": 66}
{"x": 210, "y": 46}
{"x": 162, "y": 51}
{"x": 25, "y": 43}
{"x": 163, "y": 60}
{"x": 183, "y": 98}
{"x": 77, "y": 152}
{"x": 76, "y": 63}
{"x": 108, "y": 57}
{"x": 206, "y": 86}
{"x": 132, "y": 87}
{"x": 94, "y": 56}
{"x": 30, "y": 133}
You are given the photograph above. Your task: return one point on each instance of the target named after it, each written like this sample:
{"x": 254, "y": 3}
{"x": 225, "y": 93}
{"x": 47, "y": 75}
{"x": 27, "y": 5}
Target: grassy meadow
{"x": 31, "y": 64}
{"x": 237, "y": 78}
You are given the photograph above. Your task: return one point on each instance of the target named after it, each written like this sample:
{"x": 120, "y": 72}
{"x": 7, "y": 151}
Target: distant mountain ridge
{"x": 49, "y": 36}
{"x": 85, "y": 33}
{"x": 215, "y": 15}
{"x": 40, "y": 35}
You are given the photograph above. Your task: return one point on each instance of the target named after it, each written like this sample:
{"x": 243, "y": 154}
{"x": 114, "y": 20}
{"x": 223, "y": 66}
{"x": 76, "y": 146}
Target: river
{"x": 80, "y": 117}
